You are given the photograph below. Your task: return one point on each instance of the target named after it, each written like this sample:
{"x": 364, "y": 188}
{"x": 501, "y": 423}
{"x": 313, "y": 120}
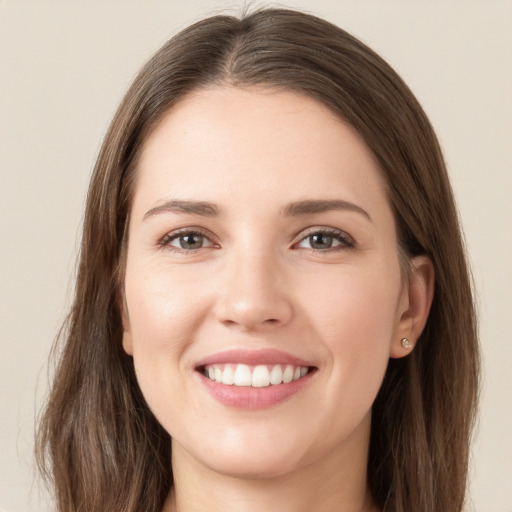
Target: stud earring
{"x": 406, "y": 343}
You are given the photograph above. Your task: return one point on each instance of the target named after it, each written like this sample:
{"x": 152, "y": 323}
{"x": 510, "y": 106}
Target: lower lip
{"x": 245, "y": 397}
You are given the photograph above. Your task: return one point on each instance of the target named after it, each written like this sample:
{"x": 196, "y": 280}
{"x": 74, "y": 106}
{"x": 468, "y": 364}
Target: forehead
{"x": 260, "y": 144}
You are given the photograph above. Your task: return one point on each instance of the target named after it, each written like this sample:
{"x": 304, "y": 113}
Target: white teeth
{"x": 259, "y": 376}
{"x": 243, "y": 375}
{"x": 276, "y": 375}
{"x": 228, "y": 375}
{"x": 288, "y": 374}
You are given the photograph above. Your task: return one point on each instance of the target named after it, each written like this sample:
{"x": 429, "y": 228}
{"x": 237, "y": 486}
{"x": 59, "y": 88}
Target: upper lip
{"x": 253, "y": 357}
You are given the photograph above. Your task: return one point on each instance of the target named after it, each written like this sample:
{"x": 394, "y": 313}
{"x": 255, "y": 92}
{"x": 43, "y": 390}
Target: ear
{"x": 127, "y": 333}
{"x": 415, "y": 307}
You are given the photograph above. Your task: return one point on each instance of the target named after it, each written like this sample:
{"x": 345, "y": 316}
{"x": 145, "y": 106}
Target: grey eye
{"x": 189, "y": 241}
{"x": 320, "y": 240}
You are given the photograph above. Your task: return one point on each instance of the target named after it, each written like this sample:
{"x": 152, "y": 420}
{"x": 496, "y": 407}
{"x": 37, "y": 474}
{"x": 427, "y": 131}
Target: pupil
{"x": 192, "y": 241}
{"x": 320, "y": 241}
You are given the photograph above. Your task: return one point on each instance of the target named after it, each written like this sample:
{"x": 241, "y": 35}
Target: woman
{"x": 273, "y": 307}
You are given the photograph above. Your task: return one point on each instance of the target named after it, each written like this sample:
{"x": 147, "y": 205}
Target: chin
{"x": 254, "y": 459}
{"x": 255, "y": 468}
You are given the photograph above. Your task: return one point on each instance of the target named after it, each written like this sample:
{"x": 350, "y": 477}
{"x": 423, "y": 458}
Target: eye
{"x": 186, "y": 240}
{"x": 326, "y": 239}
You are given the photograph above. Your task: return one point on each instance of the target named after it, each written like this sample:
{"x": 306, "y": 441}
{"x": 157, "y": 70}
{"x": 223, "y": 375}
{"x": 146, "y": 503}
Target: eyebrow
{"x": 297, "y": 208}
{"x": 202, "y": 208}
{"x": 321, "y": 205}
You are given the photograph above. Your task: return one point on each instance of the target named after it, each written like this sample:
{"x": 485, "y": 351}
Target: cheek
{"x": 356, "y": 323}
{"x": 162, "y": 306}
{"x": 358, "y": 307}
{"x": 163, "y": 317}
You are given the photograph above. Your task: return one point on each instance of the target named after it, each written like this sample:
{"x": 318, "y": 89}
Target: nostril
{"x": 251, "y": 324}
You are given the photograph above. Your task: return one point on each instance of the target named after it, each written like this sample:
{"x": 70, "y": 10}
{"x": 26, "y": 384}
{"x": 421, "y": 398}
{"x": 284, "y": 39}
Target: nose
{"x": 253, "y": 294}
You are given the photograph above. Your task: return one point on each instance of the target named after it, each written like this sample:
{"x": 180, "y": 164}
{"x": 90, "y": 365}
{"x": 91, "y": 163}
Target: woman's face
{"x": 262, "y": 248}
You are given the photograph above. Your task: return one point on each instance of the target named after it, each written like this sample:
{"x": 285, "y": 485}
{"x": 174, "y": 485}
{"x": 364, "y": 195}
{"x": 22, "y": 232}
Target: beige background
{"x": 63, "y": 69}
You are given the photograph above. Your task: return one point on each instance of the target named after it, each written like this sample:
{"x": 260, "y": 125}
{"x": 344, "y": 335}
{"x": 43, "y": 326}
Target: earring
{"x": 406, "y": 343}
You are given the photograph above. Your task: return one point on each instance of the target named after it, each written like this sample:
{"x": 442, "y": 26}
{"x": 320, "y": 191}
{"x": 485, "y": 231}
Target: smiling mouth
{"x": 255, "y": 376}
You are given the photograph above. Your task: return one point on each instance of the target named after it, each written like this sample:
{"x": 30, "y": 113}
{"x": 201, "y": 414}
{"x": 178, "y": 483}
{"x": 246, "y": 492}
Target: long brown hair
{"x": 99, "y": 443}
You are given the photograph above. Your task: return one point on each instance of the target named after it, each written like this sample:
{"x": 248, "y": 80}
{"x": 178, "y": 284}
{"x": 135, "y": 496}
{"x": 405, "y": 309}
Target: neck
{"x": 334, "y": 483}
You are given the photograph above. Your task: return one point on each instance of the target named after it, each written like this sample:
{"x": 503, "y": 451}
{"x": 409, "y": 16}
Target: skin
{"x": 256, "y": 281}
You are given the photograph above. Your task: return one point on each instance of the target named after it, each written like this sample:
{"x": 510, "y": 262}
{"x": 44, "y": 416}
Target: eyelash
{"x": 165, "y": 242}
{"x": 345, "y": 240}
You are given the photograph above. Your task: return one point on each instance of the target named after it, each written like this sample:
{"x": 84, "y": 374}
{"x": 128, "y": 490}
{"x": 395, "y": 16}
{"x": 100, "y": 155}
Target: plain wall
{"x": 64, "y": 67}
